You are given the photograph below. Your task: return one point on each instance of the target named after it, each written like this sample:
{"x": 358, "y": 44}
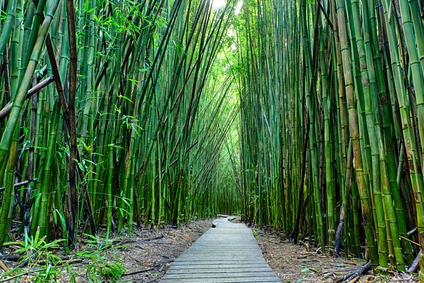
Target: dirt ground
{"x": 300, "y": 263}
{"x": 145, "y": 256}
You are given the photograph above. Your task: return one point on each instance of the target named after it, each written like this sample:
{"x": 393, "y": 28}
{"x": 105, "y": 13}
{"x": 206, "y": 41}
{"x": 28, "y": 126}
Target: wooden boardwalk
{"x": 226, "y": 253}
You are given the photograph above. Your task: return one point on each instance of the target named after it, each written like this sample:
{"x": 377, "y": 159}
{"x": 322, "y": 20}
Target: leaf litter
{"x": 303, "y": 263}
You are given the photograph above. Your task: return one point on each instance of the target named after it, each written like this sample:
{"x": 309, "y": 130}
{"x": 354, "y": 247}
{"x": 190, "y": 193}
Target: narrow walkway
{"x": 226, "y": 253}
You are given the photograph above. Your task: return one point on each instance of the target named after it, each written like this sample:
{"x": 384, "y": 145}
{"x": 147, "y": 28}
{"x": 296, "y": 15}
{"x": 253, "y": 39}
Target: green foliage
{"x": 35, "y": 250}
{"x": 40, "y": 256}
{"x": 45, "y": 264}
{"x": 100, "y": 268}
{"x": 256, "y": 233}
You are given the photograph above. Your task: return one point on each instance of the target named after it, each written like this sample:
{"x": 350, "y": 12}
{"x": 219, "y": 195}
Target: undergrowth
{"x": 43, "y": 262}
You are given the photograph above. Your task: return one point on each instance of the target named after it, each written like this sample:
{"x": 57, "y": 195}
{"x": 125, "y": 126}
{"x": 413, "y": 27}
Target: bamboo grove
{"x": 331, "y": 102}
{"x": 304, "y": 116}
{"x": 111, "y": 115}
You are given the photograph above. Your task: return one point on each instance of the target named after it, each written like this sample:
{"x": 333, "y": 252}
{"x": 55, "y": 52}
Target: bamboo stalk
{"x": 353, "y": 125}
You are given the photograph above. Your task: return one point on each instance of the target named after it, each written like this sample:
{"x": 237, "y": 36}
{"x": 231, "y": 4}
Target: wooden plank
{"x": 220, "y": 269}
{"x": 226, "y": 253}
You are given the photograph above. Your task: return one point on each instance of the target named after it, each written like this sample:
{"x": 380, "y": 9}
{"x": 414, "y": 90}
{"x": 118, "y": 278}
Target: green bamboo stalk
{"x": 7, "y": 204}
{"x": 7, "y": 26}
{"x": 44, "y": 209}
{"x": 329, "y": 155}
{"x": 310, "y": 61}
{"x": 14, "y": 62}
{"x": 371, "y": 130}
{"x": 20, "y": 97}
{"x": 33, "y": 36}
{"x": 343, "y": 161}
{"x": 384, "y": 173}
{"x": 353, "y": 125}
{"x": 387, "y": 124}
{"x": 23, "y": 89}
{"x": 109, "y": 190}
{"x": 410, "y": 140}
{"x": 412, "y": 38}
{"x": 414, "y": 9}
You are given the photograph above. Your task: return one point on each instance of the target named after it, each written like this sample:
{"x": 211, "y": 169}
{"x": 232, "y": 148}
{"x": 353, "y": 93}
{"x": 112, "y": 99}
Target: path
{"x": 226, "y": 253}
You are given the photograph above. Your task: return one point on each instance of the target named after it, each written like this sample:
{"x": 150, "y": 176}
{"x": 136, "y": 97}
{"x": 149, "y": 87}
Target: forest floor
{"x": 300, "y": 263}
{"x": 146, "y": 255}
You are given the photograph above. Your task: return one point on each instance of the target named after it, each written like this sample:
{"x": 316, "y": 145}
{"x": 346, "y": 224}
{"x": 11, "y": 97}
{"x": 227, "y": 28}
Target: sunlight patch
{"x": 218, "y": 4}
{"x": 238, "y": 7}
